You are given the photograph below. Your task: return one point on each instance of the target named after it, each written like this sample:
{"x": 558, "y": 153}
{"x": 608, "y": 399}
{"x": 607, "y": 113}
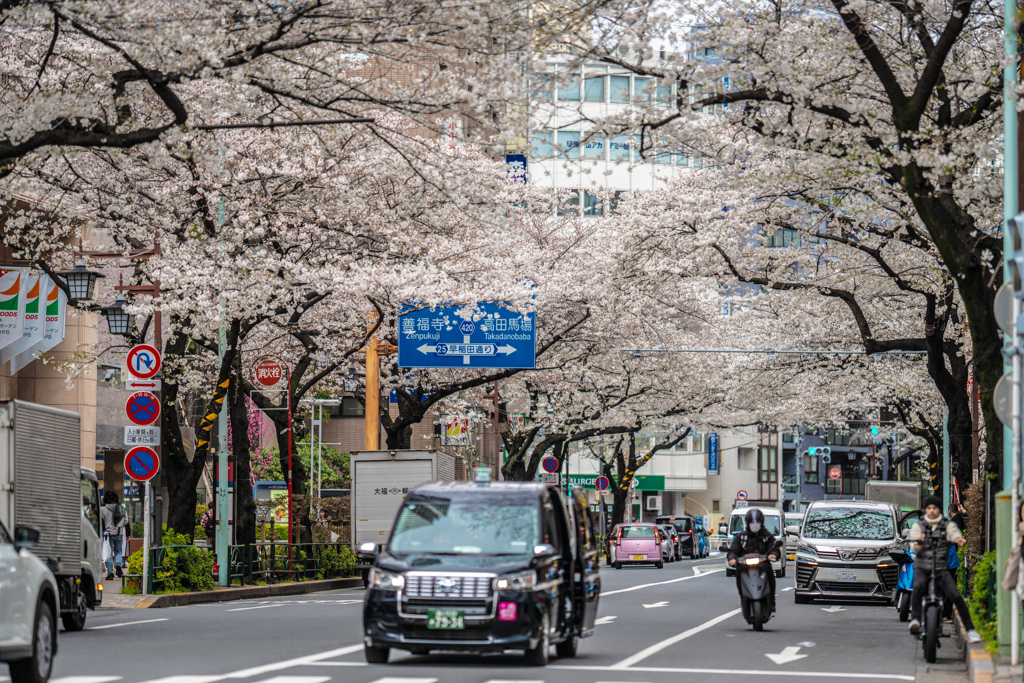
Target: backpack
{"x": 120, "y": 517}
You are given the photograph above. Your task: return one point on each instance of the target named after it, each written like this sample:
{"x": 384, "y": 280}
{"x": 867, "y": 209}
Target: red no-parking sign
{"x": 142, "y": 408}
{"x": 141, "y": 463}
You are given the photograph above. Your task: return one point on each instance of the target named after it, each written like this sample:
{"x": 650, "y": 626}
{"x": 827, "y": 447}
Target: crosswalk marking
{"x": 186, "y": 679}
{"x": 389, "y": 679}
{"x": 297, "y": 679}
{"x": 85, "y": 679}
{"x": 500, "y": 680}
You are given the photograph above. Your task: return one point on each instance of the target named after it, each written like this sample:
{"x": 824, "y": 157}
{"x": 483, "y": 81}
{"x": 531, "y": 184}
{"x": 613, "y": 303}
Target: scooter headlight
{"x": 753, "y": 561}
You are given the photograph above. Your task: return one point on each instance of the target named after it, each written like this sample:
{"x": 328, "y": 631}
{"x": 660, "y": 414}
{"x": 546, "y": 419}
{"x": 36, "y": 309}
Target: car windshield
{"x": 771, "y": 522}
{"x": 835, "y": 522}
{"x": 636, "y": 532}
{"x": 475, "y": 525}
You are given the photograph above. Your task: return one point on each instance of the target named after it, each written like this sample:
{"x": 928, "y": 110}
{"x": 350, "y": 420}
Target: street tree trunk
{"x": 245, "y": 505}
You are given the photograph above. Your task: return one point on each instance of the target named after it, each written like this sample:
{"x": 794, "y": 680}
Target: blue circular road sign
{"x": 549, "y": 463}
{"x": 602, "y": 483}
{"x": 141, "y": 463}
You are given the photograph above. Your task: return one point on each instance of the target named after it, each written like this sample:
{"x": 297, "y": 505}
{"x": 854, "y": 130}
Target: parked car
{"x": 843, "y": 551}
{"x": 793, "y": 519}
{"x": 671, "y": 543}
{"x": 483, "y": 567}
{"x": 28, "y": 607}
{"x": 637, "y": 543}
{"x": 688, "y": 536}
{"x": 772, "y": 522}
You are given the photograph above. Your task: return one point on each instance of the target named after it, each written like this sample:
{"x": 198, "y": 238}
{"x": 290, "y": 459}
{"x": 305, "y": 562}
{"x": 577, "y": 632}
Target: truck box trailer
{"x": 42, "y": 484}
{"x": 380, "y": 482}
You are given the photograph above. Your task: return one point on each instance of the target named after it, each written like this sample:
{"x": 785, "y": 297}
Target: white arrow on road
{"x": 833, "y": 609}
{"x": 787, "y": 588}
{"x": 787, "y": 655}
{"x": 604, "y": 621}
{"x": 657, "y": 604}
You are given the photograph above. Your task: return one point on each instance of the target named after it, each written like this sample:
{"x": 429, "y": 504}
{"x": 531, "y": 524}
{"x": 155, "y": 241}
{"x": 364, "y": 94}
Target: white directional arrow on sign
{"x": 833, "y": 609}
{"x": 787, "y": 655}
{"x": 657, "y": 604}
{"x": 604, "y": 621}
{"x": 506, "y": 349}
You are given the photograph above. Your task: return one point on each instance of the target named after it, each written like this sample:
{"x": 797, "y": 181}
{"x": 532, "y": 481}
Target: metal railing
{"x": 271, "y": 562}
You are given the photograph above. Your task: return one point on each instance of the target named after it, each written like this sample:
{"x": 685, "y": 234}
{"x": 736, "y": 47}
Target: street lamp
{"x": 119, "y": 321}
{"x": 81, "y": 281}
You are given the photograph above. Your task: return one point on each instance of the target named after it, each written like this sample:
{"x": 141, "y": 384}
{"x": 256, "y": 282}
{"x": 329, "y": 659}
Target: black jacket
{"x": 761, "y": 543}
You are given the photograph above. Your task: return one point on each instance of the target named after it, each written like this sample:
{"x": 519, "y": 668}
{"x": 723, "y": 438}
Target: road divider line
{"x": 289, "y": 663}
{"x": 242, "y": 609}
{"x": 669, "y": 642}
{"x": 127, "y": 623}
{"x": 826, "y": 675}
{"x": 661, "y": 583}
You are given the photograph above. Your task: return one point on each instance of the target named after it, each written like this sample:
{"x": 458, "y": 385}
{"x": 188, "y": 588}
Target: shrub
{"x": 335, "y": 561}
{"x": 184, "y": 567}
{"x": 200, "y": 511}
{"x": 982, "y": 613}
{"x": 138, "y": 530}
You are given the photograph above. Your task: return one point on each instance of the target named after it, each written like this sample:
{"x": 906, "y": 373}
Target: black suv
{"x": 483, "y": 567}
{"x": 689, "y": 532}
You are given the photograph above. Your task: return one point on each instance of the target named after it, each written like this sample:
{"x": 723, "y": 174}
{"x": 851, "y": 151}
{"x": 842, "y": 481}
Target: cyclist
{"x": 926, "y": 549}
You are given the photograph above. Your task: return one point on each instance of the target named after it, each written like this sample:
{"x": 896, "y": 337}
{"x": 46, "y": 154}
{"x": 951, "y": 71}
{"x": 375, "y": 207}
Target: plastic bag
{"x": 106, "y": 549}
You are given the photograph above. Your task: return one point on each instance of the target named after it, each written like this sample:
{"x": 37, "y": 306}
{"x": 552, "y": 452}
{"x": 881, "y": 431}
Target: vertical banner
{"x": 12, "y": 307}
{"x": 53, "y": 331}
{"x": 713, "y": 453}
{"x": 34, "y": 319}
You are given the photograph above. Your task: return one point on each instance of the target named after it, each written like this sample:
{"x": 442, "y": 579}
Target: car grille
{"x": 861, "y": 554}
{"x": 888, "y": 576}
{"x": 435, "y": 634}
{"x": 803, "y": 574}
{"x": 447, "y": 587}
{"x": 841, "y": 587}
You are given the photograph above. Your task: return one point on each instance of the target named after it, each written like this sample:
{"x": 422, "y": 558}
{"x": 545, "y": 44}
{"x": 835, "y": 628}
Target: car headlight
{"x": 807, "y": 549}
{"x": 516, "y": 582}
{"x": 386, "y": 580}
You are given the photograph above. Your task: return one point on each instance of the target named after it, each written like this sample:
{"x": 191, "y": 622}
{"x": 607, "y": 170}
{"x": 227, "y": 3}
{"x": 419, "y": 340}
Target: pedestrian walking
{"x": 114, "y": 519}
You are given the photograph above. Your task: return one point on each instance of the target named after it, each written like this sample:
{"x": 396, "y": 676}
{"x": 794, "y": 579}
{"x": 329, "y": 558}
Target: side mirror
{"x": 544, "y": 551}
{"x": 368, "y": 547}
{"x": 793, "y": 530}
{"x": 26, "y": 536}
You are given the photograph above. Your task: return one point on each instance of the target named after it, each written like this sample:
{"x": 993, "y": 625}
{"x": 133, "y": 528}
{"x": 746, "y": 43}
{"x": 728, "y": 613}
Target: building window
{"x": 568, "y": 144}
{"x": 811, "y": 469}
{"x": 639, "y": 86}
{"x": 682, "y": 159}
{"x": 570, "y": 92}
{"x": 851, "y": 484}
{"x": 834, "y": 437}
{"x": 541, "y": 145}
{"x": 592, "y": 205}
{"x": 594, "y": 148}
{"x": 787, "y": 437}
{"x": 716, "y": 506}
{"x": 664, "y": 94}
{"x": 593, "y": 89}
{"x": 542, "y": 87}
{"x": 352, "y": 407}
{"x": 570, "y": 204}
{"x": 618, "y": 150}
{"x": 619, "y": 89}
{"x": 767, "y": 471}
{"x": 616, "y": 198}
{"x": 784, "y": 237}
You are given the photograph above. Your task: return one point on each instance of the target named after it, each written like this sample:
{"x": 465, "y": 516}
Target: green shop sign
{"x": 644, "y": 482}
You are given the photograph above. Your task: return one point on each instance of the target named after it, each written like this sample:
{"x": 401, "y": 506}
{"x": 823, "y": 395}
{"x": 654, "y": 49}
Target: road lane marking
{"x": 297, "y": 679}
{"x": 661, "y": 583}
{"x": 833, "y": 609}
{"x": 127, "y": 623}
{"x": 186, "y": 679}
{"x": 603, "y": 621}
{"x": 655, "y": 605}
{"x": 788, "y": 654}
{"x": 393, "y": 679}
{"x": 289, "y": 663}
{"x": 502, "y": 680}
{"x": 669, "y": 642}
{"x": 242, "y": 609}
{"x": 827, "y": 675}
{"x": 85, "y": 679}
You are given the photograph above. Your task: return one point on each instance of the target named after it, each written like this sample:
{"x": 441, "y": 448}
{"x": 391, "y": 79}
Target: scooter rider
{"x": 925, "y": 550}
{"x": 755, "y": 540}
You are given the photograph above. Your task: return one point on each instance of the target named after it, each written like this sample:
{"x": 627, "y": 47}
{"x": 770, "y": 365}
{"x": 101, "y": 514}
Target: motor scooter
{"x": 755, "y": 590}
{"x": 904, "y": 582}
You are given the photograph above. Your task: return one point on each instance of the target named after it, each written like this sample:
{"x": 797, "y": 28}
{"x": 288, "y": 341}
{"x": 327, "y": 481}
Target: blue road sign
{"x": 441, "y": 338}
{"x": 713, "y": 453}
{"x": 142, "y": 408}
{"x": 141, "y": 463}
{"x": 549, "y": 463}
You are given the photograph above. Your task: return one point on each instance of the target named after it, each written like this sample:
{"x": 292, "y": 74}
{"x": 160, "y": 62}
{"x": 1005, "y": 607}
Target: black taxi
{"x": 483, "y": 567}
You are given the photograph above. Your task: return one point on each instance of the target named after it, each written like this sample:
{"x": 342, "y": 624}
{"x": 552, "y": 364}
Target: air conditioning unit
{"x": 654, "y": 503}
{"x": 623, "y": 50}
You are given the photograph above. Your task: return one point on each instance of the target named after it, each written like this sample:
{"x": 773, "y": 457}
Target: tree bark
{"x": 245, "y": 505}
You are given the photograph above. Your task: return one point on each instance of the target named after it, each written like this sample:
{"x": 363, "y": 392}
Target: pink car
{"x": 637, "y": 543}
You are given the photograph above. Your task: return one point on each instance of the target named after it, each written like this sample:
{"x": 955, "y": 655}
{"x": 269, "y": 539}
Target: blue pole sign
{"x": 713, "y": 453}
{"x": 441, "y": 338}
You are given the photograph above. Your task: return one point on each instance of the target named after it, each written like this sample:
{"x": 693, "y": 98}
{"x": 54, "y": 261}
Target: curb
{"x": 980, "y": 667}
{"x": 247, "y": 592}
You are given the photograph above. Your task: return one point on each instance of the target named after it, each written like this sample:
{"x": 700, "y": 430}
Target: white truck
{"x": 380, "y": 481}
{"x": 43, "y": 485}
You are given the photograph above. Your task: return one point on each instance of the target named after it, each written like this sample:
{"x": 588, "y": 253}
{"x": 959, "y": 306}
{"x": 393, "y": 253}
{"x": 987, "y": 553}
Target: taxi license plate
{"x": 848, "y": 577}
{"x": 637, "y": 558}
{"x": 446, "y": 619}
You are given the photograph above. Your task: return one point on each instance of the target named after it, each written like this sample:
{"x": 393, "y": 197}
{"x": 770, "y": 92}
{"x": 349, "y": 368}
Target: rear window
{"x": 636, "y": 532}
{"x": 682, "y": 524}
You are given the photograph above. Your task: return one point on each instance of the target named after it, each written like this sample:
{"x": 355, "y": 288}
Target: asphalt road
{"x": 680, "y": 623}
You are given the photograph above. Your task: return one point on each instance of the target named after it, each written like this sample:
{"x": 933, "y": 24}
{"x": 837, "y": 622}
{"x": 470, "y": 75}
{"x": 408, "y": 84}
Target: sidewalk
{"x": 113, "y": 598}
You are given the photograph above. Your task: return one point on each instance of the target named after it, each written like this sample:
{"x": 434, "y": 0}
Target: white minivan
{"x": 773, "y": 522}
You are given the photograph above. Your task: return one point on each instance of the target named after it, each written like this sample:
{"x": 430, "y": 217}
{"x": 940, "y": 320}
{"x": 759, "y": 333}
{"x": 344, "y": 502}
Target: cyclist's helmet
{"x": 754, "y": 515}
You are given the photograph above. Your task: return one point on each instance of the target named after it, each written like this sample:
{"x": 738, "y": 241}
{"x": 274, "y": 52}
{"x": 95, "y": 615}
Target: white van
{"x": 773, "y": 521}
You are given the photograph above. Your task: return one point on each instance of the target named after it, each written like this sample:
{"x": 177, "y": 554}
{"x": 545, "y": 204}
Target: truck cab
{"x": 90, "y": 591}
{"x": 483, "y": 567}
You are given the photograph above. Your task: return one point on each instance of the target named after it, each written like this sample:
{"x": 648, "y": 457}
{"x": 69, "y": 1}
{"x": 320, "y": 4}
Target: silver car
{"x": 843, "y": 551}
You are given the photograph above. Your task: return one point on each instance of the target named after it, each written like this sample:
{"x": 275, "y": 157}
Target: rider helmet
{"x": 754, "y": 519}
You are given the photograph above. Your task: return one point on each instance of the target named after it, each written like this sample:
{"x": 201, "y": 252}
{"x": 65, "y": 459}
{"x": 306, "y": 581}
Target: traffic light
{"x": 812, "y": 451}
{"x": 874, "y": 430}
